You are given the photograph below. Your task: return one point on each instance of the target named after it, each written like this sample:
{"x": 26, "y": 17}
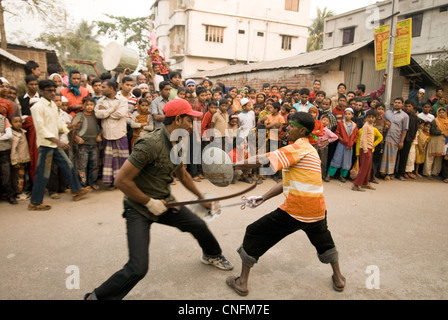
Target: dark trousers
{"x": 138, "y": 226}
{"x": 6, "y": 186}
{"x": 403, "y": 155}
{"x": 264, "y": 233}
{"x": 376, "y": 160}
{"x": 323, "y": 155}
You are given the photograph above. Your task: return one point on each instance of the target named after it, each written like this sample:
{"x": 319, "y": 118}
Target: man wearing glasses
{"x": 48, "y": 127}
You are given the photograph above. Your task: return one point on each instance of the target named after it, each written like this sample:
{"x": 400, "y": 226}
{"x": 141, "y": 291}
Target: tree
{"x": 81, "y": 44}
{"x": 316, "y": 30}
{"x": 439, "y": 69}
{"x": 134, "y": 31}
{"x": 42, "y": 8}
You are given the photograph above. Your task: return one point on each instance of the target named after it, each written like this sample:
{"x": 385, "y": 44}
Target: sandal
{"x": 368, "y": 187}
{"x": 39, "y": 207}
{"x": 356, "y": 188}
{"x": 231, "y": 282}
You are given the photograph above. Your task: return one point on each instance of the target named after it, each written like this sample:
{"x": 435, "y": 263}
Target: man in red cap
{"x": 145, "y": 180}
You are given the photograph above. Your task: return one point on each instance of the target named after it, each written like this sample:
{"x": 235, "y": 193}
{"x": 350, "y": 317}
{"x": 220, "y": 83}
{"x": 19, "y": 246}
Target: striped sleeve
{"x": 285, "y": 157}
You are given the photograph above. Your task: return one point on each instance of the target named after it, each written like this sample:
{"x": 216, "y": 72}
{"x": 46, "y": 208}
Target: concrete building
{"x": 351, "y": 64}
{"x": 428, "y": 22}
{"x": 200, "y": 35}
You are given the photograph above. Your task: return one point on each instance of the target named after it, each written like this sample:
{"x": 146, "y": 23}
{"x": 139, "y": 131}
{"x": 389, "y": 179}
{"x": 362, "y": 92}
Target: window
{"x": 214, "y": 34}
{"x": 417, "y": 21}
{"x": 292, "y": 5}
{"x": 348, "y": 36}
{"x": 444, "y": 9}
{"x": 241, "y": 31}
{"x": 260, "y": 34}
{"x": 286, "y": 42}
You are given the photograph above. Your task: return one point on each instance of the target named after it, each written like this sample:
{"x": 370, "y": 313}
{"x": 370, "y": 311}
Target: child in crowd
{"x": 142, "y": 121}
{"x": 380, "y": 125}
{"x": 366, "y": 143}
{"x": 325, "y": 139}
{"x": 246, "y": 118}
{"x": 219, "y": 123}
{"x": 426, "y": 114}
{"x": 423, "y": 138}
{"x": 20, "y": 155}
{"x": 318, "y": 128}
{"x": 87, "y": 138}
{"x": 207, "y": 120}
{"x": 267, "y": 109}
{"x": 347, "y": 131}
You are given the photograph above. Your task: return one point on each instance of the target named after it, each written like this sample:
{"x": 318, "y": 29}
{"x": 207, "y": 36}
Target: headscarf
{"x": 74, "y": 89}
{"x": 442, "y": 123}
{"x": 51, "y": 77}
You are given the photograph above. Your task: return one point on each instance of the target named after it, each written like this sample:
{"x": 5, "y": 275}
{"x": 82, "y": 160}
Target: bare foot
{"x": 338, "y": 282}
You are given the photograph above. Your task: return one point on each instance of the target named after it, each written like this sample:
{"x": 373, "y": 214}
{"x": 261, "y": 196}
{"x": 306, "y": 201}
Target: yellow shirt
{"x": 302, "y": 180}
{"x": 47, "y": 123}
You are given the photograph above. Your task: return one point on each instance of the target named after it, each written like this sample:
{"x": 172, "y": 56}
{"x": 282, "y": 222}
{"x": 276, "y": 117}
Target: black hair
{"x": 371, "y": 112}
{"x": 342, "y": 97}
{"x": 169, "y": 120}
{"x": 276, "y": 105}
{"x": 274, "y": 86}
{"x": 399, "y": 98}
{"x": 96, "y": 80}
{"x": 317, "y": 80}
{"x": 351, "y": 92}
{"x": 266, "y": 85}
{"x": 143, "y": 100}
{"x": 29, "y": 66}
{"x": 295, "y": 91}
{"x": 175, "y": 73}
{"x": 126, "y": 79}
{"x": 322, "y": 93}
{"x": 163, "y": 84}
{"x": 137, "y": 92}
{"x": 47, "y": 83}
{"x": 54, "y": 68}
{"x": 200, "y": 90}
{"x": 111, "y": 84}
{"x": 88, "y": 99}
{"x": 305, "y": 119}
{"x": 214, "y": 103}
{"x": 223, "y": 101}
{"x": 14, "y": 115}
{"x": 30, "y": 78}
{"x": 343, "y": 85}
{"x": 106, "y": 76}
{"x": 409, "y": 101}
{"x": 304, "y": 91}
{"x": 209, "y": 82}
{"x": 361, "y": 87}
{"x": 74, "y": 71}
{"x": 181, "y": 89}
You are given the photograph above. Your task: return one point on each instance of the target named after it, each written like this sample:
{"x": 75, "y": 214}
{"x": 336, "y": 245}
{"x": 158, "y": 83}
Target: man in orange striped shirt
{"x": 303, "y": 209}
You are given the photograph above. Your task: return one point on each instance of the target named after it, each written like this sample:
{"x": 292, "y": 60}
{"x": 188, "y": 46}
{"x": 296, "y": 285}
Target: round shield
{"x": 217, "y": 166}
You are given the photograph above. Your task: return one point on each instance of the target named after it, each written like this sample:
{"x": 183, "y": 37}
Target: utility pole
{"x": 390, "y": 55}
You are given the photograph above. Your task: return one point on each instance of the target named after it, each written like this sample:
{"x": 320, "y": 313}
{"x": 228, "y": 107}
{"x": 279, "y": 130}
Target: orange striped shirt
{"x": 302, "y": 180}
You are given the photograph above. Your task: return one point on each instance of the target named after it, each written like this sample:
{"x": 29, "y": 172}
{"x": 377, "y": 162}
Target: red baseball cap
{"x": 179, "y": 107}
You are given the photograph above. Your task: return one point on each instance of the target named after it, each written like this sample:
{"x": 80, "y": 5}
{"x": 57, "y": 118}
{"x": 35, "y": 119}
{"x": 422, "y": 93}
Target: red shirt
{"x": 338, "y": 113}
{"x": 74, "y": 100}
{"x": 6, "y": 107}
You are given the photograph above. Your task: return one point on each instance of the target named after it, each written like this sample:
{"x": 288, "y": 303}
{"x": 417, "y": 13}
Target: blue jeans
{"x": 46, "y": 156}
{"x": 138, "y": 227}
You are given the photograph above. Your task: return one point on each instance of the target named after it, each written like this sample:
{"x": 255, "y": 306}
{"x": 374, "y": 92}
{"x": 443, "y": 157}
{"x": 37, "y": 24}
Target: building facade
{"x": 201, "y": 35}
{"x": 428, "y": 22}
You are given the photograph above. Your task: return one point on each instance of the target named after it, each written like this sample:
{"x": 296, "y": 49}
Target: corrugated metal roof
{"x": 11, "y": 57}
{"x": 301, "y": 60}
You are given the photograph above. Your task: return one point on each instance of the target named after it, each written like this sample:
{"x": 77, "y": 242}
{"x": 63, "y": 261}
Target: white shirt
{"x": 427, "y": 117}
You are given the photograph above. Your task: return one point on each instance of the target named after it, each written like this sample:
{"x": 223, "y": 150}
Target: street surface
{"x": 391, "y": 243}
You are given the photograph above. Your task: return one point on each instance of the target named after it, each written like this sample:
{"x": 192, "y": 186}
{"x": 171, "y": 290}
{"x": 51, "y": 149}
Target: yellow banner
{"x": 402, "y": 55}
{"x": 403, "y": 41}
{"x": 381, "y": 46}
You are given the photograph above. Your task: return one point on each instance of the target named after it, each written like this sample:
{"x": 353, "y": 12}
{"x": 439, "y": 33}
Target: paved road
{"x": 391, "y": 242}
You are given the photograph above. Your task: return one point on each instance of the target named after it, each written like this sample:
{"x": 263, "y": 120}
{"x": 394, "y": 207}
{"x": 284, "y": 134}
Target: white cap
{"x": 4, "y": 80}
{"x": 244, "y": 101}
{"x": 64, "y": 99}
{"x": 422, "y": 90}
